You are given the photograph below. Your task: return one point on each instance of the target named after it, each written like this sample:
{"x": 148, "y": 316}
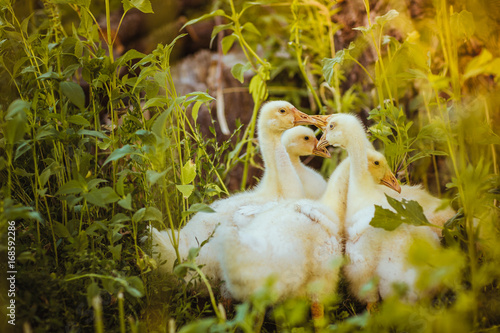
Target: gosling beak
{"x": 321, "y": 151}
{"x": 390, "y": 181}
{"x": 300, "y": 118}
{"x": 322, "y": 143}
{"x": 322, "y": 120}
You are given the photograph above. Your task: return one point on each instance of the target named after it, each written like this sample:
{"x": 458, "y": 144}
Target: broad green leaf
{"x": 484, "y": 63}
{"x": 239, "y": 71}
{"x": 130, "y": 55}
{"x": 147, "y": 214}
{"x": 250, "y": 27}
{"x": 197, "y": 96}
{"x": 218, "y": 12}
{"x": 94, "y": 182}
{"x": 198, "y": 207}
{"x": 15, "y": 125}
{"x": 102, "y": 196}
{"x": 385, "y": 219}
{"x": 44, "y": 131}
{"x": 188, "y": 172}
{"x": 155, "y": 101}
{"x": 329, "y": 63}
{"x": 96, "y": 134}
{"x": 258, "y": 88}
{"x": 462, "y": 24}
{"x": 202, "y": 325}
{"x": 407, "y": 211}
{"x": 160, "y": 122}
{"x": 390, "y": 15}
{"x": 135, "y": 286}
{"x": 119, "y": 153}
{"x": 153, "y": 176}
{"x": 70, "y": 187}
{"x": 186, "y": 190}
{"x": 74, "y": 93}
{"x": 142, "y": 5}
{"x": 126, "y": 202}
{"x": 60, "y": 230}
{"x": 116, "y": 251}
{"x": 218, "y": 29}
{"x": 79, "y": 120}
{"x": 195, "y": 109}
{"x": 227, "y": 42}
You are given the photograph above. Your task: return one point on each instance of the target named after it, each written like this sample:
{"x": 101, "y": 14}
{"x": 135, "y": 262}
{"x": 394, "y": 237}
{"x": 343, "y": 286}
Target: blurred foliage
{"x": 90, "y": 158}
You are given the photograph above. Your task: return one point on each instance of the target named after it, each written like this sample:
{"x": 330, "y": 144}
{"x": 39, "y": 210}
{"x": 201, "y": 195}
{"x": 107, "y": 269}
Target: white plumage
{"x": 279, "y": 181}
{"x": 372, "y": 252}
{"x": 301, "y": 141}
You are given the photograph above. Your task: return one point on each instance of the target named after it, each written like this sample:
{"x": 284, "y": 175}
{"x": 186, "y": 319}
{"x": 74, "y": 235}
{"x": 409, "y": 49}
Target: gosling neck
{"x": 280, "y": 179}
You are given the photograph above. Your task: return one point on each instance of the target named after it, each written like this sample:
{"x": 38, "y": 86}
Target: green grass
{"x": 83, "y": 194}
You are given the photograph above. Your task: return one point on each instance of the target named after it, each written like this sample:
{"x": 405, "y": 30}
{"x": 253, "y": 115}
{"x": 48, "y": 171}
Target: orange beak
{"x": 300, "y": 118}
{"x": 321, "y": 151}
{"x": 390, "y": 181}
{"x": 322, "y": 143}
{"x": 322, "y": 120}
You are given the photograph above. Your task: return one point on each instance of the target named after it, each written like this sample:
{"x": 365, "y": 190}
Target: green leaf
{"x": 79, "y": 120}
{"x": 390, "y": 15}
{"x": 15, "y": 125}
{"x": 119, "y": 153}
{"x": 129, "y": 55}
{"x": 407, "y": 211}
{"x": 218, "y": 29}
{"x": 258, "y": 88}
{"x": 60, "y": 230}
{"x": 156, "y": 101}
{"x": 147, "y": 214}
{"x": 135, "y": 286}
{"x": 70, "y": 187}
{"x": 160, "y": 122}
{"x": 462, "y": 24}
{"x": 239, "y": 70}
{"x": 202, "y": 325}
{"x": 21, "y": 149}
{"x": 143, "y": 5}
{"x": 227, "y": 42}
{"x": 126, "y": 202}
{"x": 188, "y": 172}
{"x": 186, "y": 190}
{"x": 385, "y": 219}
{"x": 102, "y": 196}
{"x": 195, "y": 109}
{"x": 74, "y": 93}
{"x": 218, "y": 12}
{"x": 250, "y": 27}
{"x": 96, "y": 134}
{"x": 116, "y": 251}
{"x": 153, "y": 176}
{"x": 198, "y": 207}
{"x": 197, "y": 96}
{"x": 329, "y": 63}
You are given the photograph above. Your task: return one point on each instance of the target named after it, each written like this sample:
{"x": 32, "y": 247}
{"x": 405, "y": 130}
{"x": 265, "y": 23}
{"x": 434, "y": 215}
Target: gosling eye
{"x": 376, "y": 162}
{"x": 306, "y": 138}
{"x": 332, "y": 126}
{"x": 282, "y": 110}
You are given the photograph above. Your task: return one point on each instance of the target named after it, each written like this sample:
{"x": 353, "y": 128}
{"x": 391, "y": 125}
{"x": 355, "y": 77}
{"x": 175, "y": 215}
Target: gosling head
{"x": 380, "y": 171}
{"x": 281, "y": 115}
{"x": 341, "y": 129}
{"x": 301, "y": 141}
